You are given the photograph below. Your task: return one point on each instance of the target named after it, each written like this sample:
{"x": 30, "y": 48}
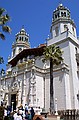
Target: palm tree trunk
{"x": 51, "y": 87}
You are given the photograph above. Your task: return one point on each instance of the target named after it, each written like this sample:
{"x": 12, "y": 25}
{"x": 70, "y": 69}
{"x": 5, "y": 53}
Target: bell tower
{"x": 21, "y": 42}
{"x": 62, "y": 22}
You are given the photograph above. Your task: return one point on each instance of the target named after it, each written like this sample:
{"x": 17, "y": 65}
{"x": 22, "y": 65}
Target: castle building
{"x": 27, "y": 78}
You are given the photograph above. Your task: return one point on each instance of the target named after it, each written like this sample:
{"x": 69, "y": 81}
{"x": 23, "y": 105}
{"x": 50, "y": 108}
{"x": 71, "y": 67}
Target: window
{"x": 20, "y": 49}
{"x": 65, "y": 27}
{"x": 55, "y": 16}
{"x": 76, "y": 50}
{"x": 73, "y": 31}
{"x": 64, "y": 14}
{"x": 56, "y": 31}
{"x": 26, "y": 39}
{"x": 20, "y": 38}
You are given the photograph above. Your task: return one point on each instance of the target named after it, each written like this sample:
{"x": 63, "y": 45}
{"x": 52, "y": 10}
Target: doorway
{"x": 13, "y": 101}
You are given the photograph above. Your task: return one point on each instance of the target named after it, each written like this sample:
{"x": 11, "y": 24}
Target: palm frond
{"x": 7, "y": 16}
{"x": 6, "y": 28}
{"x": 2, "y": 36}
{"x": 2, "y": 10}
{"x": 1, "y": 60}
{"x": 53, "y": 52}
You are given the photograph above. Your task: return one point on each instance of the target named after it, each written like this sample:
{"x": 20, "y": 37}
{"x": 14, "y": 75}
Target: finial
{"x": 60, "y": 2}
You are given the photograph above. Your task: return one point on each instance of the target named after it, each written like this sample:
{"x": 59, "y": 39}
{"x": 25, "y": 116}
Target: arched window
{"x": 62, "y": 14}
{"x": 20, "y": 49}
{"x": 20, "y": 38}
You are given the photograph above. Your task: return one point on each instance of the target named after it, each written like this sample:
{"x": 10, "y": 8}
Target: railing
{"x": 69, "y": 114}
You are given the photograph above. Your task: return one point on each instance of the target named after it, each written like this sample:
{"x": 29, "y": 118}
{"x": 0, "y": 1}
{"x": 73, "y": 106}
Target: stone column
{"x": 24, "y": 90}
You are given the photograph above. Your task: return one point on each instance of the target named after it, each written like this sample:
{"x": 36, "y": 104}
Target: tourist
{"x": 18, "y": 116}
{"x": 15, "y": 114}
{"x": 26, "y": 108}
{"x": 5, "y": 114}
{"x": 32, "y": 112}
{"x": 29, "y": 116}
{"x": 26, "y": 115}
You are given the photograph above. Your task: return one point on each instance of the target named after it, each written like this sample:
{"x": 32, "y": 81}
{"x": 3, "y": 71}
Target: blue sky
{"x": 36, "y": 16}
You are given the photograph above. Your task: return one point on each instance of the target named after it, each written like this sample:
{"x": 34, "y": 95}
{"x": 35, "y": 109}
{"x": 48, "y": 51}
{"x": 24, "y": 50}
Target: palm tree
{"x": 1, "y": 60}
{"x": 54, "y": 54}
{"x": 4, "y": 18}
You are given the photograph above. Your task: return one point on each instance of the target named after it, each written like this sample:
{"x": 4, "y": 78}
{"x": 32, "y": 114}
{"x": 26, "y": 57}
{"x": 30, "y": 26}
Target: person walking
{"x": 32, "y": 112}
{"x": 29, "y": 116}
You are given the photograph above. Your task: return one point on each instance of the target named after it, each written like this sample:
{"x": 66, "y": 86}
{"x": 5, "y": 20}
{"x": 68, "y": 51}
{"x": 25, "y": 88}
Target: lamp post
{"x": 12, "y": 106}
{"x": 56, "y": 113}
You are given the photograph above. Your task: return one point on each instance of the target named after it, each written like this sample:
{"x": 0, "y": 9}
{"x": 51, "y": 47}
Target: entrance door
{"x": 13, "y": 101}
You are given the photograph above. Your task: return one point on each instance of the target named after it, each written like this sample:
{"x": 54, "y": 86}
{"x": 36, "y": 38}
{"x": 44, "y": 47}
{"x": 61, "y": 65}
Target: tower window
{"x": 22, "y": 38}
{"x": 76, "y": 50}
{"x": 73, "y": 31}
{"x": 56, "y": 31}
{"x": 26, "y": 39}
{"x": 55, "y": 16}
{"x": 65, "y": 27}
{"x": 20, "y": 49}
{"x": 64, "y": 14}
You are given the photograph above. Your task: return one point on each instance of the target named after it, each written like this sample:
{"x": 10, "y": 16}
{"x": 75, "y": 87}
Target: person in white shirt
{"x": 5, "y": 112}
{"x": 18, "y": 117}
{"x": 15, "y": 114}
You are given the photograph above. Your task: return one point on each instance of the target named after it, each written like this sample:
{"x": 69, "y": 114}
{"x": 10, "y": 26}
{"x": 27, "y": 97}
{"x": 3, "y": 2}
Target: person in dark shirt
{"x": 32, "y": 112}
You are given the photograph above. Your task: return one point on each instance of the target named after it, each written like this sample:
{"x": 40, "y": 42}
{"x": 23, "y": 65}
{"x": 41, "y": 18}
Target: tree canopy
{"x": 54, "y": 52}
{"x": 4, "y": 18}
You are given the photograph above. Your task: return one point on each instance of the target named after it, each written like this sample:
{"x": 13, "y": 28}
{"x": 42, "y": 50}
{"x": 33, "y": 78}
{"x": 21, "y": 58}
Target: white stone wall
{"x": 40, "y": 91}
{"x": 39, "y": 63}
{"x": 59, "y": 90}
{"x": 75, "y": 80}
